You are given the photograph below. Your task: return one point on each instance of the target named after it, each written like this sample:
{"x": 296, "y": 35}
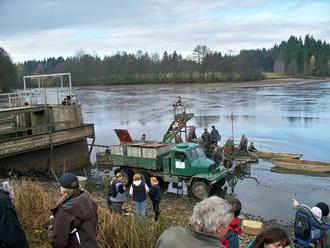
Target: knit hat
{"x": 324, "y": 208}
{"x": 317, "y": 213}
{"x": 69, "y": 181}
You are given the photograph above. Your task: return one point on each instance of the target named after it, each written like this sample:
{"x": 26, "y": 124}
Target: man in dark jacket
{"x": 74, "y": 219}
{"x": 11, "y": 232}
{"x": 215, "y": 136}
{"x": 208, "y": 225}
{"x": 206, "y": 138}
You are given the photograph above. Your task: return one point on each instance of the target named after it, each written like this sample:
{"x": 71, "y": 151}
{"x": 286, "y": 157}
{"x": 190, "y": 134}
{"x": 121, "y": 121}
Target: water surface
{"x": 292, "y": 119}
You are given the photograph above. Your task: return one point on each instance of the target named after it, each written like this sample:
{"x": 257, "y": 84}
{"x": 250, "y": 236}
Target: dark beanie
{"x": 324, "y": 208}
{"x": 69, "y": 181}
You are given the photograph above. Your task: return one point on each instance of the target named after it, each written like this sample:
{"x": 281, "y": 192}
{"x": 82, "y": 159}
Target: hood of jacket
{"x": 234, "y": 226}
{"x": 137, "y": 183}
{"x": 81, "y": 205}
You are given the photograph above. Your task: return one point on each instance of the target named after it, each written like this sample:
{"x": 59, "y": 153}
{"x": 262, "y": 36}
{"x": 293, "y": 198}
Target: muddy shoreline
{"x": 225, "y": 85}
{"x": 179, "y": 209}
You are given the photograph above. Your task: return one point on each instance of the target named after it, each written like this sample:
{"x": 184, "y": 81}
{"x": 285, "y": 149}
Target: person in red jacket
{"x": 231, "y": 239}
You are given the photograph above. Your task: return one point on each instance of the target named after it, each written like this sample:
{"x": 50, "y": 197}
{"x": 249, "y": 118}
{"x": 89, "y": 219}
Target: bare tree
{"x": 199, "y": 53}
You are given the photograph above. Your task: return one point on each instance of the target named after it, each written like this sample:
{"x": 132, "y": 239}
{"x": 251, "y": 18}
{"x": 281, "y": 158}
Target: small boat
{"x": 273, "y": 155}
{"x": 302, "y": 165}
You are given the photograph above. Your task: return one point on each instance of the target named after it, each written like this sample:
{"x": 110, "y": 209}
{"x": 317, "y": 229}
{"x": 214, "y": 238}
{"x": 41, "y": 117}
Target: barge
{"x": 42, "y": 130}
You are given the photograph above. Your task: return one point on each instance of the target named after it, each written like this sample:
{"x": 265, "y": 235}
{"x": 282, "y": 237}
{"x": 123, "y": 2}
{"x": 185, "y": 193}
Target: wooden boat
{"x": 275, "y": 155}
{"x": 302, "y": 165}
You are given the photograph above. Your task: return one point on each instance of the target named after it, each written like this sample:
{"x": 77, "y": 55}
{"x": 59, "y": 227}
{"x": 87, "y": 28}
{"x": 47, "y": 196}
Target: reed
{"x": 33, "y": 205}
{"x": 33, "y": 202}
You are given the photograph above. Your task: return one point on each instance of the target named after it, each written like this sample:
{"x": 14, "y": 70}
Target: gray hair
{"x": 210, "y": 213}
{"x": 7, "y": 188}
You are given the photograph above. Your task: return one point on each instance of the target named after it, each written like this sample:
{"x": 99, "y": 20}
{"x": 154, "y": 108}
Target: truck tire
{"x": 219, "y": 184}
{"x": 145, "y": 176}
{"x": 200, "y": 189}
{"x": 228, "y": 163}
{"x": 163, "y": 185}
{"x": 127, "y": 176}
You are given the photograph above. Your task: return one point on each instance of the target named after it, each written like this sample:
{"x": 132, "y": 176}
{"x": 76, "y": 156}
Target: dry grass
{"x": 33, "y": 203}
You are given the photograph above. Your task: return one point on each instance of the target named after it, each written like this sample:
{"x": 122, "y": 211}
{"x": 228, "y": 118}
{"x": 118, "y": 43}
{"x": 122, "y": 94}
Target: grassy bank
{"x": 33, "y": 201}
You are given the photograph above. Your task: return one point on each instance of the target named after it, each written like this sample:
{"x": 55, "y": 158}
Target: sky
{"x": 38, "y": 29}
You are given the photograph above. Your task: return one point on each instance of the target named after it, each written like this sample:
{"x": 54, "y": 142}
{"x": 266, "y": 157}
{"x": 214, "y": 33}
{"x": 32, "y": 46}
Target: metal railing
{"x": 39, "y": 96}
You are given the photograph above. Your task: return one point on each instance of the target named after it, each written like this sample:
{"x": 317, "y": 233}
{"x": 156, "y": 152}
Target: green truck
{"x": 170, "y": 163}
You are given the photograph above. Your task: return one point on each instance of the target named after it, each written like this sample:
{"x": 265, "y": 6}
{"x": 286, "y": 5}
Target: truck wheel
{"x": 219, "y": 184}
{"x": 200, "y": 189}
{"x": 127, "y": 176}
{"x": 163, "y": 185}
{"x": 145, "y": 176}
{"x": 227, "y": 163}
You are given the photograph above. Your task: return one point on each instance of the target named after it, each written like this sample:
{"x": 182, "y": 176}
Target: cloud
{"x": 44, "y": 28}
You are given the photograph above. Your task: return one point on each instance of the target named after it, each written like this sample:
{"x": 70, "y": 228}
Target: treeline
{"x": 8, "y": 73}
{"x": 142, "y": 67}
{"x": 295, "y": 57}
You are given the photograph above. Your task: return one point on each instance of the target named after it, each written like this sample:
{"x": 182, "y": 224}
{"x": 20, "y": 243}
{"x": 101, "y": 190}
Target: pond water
{"x": 292, "y": 119}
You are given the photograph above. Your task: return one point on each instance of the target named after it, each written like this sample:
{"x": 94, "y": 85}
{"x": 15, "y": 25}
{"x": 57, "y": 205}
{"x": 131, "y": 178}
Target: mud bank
{"x": 228, "y": 85}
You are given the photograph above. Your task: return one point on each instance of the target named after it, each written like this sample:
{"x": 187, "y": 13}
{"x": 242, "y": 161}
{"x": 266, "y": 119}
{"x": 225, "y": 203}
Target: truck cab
{"x": 189, "y": 160}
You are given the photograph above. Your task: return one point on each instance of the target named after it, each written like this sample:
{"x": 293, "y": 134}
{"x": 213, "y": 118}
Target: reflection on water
{"x": 292, "y": 119}
{"x": 288, "y": 119}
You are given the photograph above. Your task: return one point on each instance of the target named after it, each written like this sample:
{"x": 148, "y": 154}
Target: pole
{"x": 70, "y": 83}
{"x": 24, "y": 83}
{"x": 232, "y": 125}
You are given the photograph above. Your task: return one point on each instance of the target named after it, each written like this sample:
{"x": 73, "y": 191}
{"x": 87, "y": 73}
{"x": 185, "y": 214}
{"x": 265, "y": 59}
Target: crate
{"x": 150, "y": 152}
{"x": 117, "y": 150}
{"x": 134, "y": 151}
{"x": 116, "y": 160}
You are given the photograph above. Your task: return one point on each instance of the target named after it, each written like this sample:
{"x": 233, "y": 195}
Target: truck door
{"x": 180, "y": 165}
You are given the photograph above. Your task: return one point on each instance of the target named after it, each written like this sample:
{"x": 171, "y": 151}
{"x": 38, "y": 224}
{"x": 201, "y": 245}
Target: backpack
{"x": 113, "y": 189}
{"x": 307, "y": 230}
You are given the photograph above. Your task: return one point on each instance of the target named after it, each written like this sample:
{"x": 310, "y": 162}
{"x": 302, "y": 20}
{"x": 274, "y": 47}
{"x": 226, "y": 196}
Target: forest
{"x": 295, "y": 57}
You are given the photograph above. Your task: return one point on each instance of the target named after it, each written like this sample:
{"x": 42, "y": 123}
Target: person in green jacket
{"x": 207, "y": 227}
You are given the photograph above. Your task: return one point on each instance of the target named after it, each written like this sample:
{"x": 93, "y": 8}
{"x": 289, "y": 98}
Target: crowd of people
{"x": 215, "y": 222}
{"x": 138, "y": 191}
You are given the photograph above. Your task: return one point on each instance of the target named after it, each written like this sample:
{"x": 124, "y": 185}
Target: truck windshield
{"x": 192, "y": 154}
{"x": 200, "y": 152}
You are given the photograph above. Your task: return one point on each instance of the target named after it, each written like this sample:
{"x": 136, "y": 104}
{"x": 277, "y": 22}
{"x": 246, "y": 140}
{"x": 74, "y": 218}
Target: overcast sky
{"x": 37, "y": 29}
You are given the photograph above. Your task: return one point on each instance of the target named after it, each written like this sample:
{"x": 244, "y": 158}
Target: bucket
{"x": 251, "y": 227}
{"x": 82, "y": 181}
